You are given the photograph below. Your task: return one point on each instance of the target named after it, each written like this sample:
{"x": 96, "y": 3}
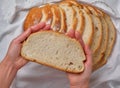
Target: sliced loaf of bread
{"x": 55, "y": 50}
{"x": 34, "y": 16}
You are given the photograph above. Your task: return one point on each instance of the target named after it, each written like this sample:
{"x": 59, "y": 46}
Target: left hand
{"x": 13, "y": 55}
{"x": 13, "y": 61}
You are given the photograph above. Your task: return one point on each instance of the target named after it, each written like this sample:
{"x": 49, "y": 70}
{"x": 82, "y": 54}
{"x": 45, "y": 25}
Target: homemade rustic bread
{"x": 55, "y": 50}
{"x": 95, "y": 26}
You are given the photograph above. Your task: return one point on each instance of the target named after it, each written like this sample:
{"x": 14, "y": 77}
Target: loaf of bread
{"x": 94, "y": 25}
{"x": 55, "y": 50}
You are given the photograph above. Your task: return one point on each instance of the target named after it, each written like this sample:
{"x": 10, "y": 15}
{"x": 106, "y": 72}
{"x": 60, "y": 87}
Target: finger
{"x": 79, "y": 38}
{"x": 87, "y": 50}
{"x": 71, "y": 33}
{"x": 24, "y": 35}
{"x": 88, "y": 62}
{"x": 38, "y": 27}
{"x": 47, "y": 27}
{"x": 21, "y": 62}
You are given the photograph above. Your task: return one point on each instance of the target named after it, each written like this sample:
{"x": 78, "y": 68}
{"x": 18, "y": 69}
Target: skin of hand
{"x": 81, "y": 80}
{"x": 13, "y": 60}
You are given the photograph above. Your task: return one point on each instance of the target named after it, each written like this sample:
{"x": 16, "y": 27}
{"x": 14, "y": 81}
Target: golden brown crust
{"x": 32, "y": 18}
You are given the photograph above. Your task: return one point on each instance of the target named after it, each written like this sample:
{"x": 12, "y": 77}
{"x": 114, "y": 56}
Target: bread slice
{"x": 55, "y": 25}
{"x": 87, "y": 32}
{"x": 80, "y": 19}
{"x": 55, "y": 50}
{"x": 98, "y": 56}
{"x": 46, "y": 14}
{"x": 88, "y": 29}
{"x": 111, "y": 32}
{"x": 33, "y": 17}
{"x": 97, "y": 37}
{"x": 111, "y": 37}
{"x": 70, "y": 15}
{"x": 63, "y": 27}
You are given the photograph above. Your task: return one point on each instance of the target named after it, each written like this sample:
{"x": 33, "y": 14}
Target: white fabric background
{"x": 32, "y": 75}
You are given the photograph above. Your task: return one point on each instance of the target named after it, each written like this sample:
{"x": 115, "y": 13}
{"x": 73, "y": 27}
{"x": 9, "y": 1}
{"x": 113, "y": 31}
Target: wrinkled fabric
{"x": 33, "y": 75}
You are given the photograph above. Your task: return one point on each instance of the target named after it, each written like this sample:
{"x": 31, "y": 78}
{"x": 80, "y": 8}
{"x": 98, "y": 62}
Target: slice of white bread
{"x": 88, "y": 29}
{"x": 111, "y": 41}
{"x": 56, "y": 23}
{"x": 46, "y": 14}
{"x": 80, "y": 19}
{"x": 70, "y": 15}
{"x": 97, "y": 36}
{"x": 87, "y": 34}
{"x": 112, "y": 36}
{"x": 55, "y": 50}
{"x": 33, "y": 17}
{"x": 98, "y": 55}
{"x": 63, "y": 28}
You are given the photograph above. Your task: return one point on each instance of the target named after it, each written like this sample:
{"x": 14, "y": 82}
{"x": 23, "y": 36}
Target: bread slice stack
{"x": 94, "y": 25}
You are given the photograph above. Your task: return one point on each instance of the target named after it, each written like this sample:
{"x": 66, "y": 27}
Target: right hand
{"x": 81, "y": 80}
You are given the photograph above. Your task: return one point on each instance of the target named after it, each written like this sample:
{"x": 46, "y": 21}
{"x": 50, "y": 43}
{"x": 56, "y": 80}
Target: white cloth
{"x": 32, "y": 75}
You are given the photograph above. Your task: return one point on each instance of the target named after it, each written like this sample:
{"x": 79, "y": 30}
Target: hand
{"x": 81, "y": 80}
{"x": 13, "y": 60}
{"x": 13, "y": 54}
